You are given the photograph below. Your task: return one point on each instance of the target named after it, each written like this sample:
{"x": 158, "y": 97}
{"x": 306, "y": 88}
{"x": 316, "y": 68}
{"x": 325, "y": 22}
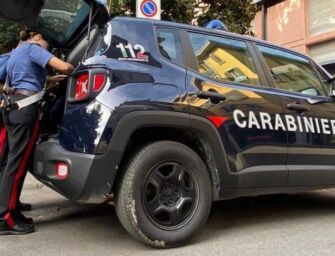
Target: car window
{"x": 223, "y": 58}
{"x": 292, "y": 72}
{"x": 324, "y": 79}
{"x": 169, "y": 44}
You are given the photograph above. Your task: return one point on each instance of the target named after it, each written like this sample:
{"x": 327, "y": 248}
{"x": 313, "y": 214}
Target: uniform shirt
{"x": 26, "y": 67}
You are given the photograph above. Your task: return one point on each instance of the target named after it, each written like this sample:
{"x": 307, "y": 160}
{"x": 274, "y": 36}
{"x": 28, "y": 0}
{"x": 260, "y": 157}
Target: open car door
{"x": 62, "y": 21}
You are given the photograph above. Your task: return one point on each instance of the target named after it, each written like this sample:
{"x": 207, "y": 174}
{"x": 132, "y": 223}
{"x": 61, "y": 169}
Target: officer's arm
{"x": 60, "y": 65}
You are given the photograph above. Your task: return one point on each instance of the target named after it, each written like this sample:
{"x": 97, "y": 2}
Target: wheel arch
{"x": 142, "y": 127}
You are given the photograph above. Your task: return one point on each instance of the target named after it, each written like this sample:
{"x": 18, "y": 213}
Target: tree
{"x": 122, "y": 7}
{"x": 172, "y": 10}
{"x": 237, "y": 15}
{"x": 9, "y": 35}
{"x": 178, "y": 10}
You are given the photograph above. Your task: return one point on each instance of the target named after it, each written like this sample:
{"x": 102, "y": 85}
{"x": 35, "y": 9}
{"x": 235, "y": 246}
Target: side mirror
{"x": 310, "y": 91}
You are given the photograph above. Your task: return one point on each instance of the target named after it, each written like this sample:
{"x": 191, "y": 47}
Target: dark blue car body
{"x": 164, "y": 118}
{"x": 161, "y": 98}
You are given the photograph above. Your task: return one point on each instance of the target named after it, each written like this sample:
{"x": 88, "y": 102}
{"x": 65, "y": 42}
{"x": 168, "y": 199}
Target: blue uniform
{"x": 26, "y": 67}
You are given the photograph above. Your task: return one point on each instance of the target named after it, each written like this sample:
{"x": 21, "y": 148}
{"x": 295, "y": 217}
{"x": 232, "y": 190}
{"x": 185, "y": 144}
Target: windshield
{"x": 61, "y": 18}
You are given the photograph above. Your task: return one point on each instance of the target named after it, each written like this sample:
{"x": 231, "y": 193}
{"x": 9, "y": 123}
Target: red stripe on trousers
{"x": 9, "y": 220}
{"x": 22, "y": 167}
{"x": 3, "y": 137}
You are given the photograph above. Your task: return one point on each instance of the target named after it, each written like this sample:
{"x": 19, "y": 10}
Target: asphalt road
{"x": 300, "y": 224}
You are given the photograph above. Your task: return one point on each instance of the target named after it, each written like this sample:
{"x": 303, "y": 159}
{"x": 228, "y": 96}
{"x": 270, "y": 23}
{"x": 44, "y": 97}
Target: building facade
{"x": 307, "y": 26}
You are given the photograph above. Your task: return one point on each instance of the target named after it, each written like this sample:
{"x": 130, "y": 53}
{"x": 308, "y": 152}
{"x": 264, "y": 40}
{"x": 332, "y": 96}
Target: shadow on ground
{"x": 225, "y": 216}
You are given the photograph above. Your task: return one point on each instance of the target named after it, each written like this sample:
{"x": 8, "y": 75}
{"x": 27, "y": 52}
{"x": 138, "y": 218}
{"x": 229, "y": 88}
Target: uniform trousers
{"x": 22, "y": 130}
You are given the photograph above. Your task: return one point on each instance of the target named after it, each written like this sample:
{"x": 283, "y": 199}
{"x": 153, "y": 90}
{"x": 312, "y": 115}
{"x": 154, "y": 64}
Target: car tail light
{"x": 87, "y": 85}
{"x": 81, "y": 87}
{"x": 62, "y": 170}
{"x": 98, "y": 82}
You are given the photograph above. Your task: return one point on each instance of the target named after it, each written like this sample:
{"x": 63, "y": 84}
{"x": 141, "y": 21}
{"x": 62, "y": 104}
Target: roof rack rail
{"x": 216, "y": 24}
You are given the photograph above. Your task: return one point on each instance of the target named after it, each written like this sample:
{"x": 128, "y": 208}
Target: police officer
{"x": 4, "y": 150}
{"x": 26, "y": 70}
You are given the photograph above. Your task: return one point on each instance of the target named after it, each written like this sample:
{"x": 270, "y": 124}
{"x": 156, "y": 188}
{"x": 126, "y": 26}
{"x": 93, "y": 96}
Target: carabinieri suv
{"x": 166, "y": 118}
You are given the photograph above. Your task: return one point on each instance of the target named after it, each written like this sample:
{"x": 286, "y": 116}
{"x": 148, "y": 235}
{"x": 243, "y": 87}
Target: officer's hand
{"x": 56, "y": 79}
{"x": 53, "y": 81}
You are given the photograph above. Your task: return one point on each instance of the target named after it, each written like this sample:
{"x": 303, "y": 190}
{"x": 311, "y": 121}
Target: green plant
{"x": 9, "y": 35}
{"x": 172, "y": 10}
{"x": 237, "y": 15}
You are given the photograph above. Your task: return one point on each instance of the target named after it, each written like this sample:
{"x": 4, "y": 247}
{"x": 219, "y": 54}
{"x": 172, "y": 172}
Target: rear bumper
{"x": 88, "y": 180}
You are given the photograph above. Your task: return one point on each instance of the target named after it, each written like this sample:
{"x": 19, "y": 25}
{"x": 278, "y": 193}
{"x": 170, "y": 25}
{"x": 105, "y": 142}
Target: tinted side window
{"x": 223, "y": 58}
{"x": 169, "y": 44}
{"x": 292, "y": 72}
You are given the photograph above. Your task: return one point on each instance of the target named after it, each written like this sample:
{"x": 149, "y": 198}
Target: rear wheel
{"x": 165, "y": 194}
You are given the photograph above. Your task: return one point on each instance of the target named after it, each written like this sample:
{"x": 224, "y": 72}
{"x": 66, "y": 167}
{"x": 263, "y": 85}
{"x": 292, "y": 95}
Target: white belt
{"x": 27, "y": 101}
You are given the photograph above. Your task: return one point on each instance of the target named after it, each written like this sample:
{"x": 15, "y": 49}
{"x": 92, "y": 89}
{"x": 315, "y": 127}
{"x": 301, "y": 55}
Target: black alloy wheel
{"x": 164, "y": 195}
{"x": 170, "y": 195}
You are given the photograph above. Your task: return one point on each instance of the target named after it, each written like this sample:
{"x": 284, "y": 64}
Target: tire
{"x": 165, "y": 195}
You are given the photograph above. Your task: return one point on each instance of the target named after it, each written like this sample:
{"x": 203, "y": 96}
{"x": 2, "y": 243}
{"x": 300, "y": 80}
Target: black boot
{"x": 18, "y": 229}
{"x": 19, "y": 217}
{"x": 24, "y": 207}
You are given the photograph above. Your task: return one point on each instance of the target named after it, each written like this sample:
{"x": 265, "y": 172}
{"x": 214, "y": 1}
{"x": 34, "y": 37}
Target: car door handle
{"x": 213, "y": 96}
{"x": 298, "y": 107}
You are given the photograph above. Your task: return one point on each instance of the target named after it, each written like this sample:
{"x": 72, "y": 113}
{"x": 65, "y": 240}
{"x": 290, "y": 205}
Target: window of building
{"x": 321, "y": 16}
{"x": 292, "y": 72}
{"x": 323, "y": 53}
{"x": 224, "y": 58}
{"x": 169, "y": 44}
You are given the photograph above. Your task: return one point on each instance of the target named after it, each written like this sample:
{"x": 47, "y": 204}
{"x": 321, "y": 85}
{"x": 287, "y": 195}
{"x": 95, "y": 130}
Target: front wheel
{"x": 165, "y": 195}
